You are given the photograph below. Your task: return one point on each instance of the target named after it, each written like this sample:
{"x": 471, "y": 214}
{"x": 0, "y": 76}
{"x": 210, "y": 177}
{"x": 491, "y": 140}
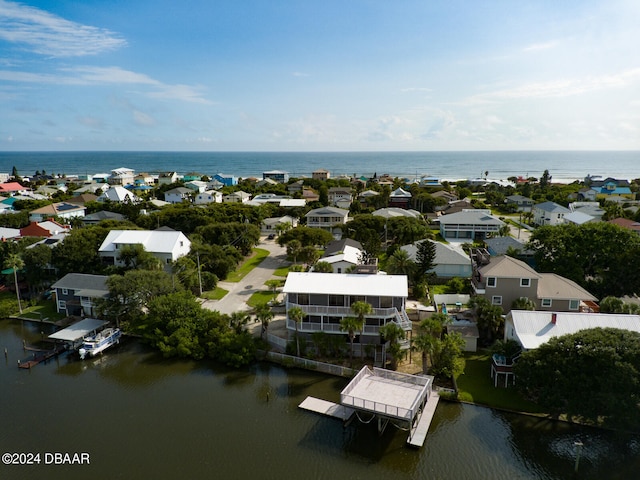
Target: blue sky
{"x": 305, "y": 75}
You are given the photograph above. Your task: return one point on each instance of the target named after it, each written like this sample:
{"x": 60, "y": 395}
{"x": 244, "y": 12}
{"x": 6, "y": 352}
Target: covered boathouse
{"x": 407, "y": 401}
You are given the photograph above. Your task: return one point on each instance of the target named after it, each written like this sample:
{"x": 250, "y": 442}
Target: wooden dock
{"x": 419, "y": 431}
{"x": 329, "y": 409}
{"x": 39, "y": 356}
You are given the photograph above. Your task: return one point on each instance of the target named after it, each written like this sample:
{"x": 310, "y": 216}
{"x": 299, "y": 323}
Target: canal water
{"x": 138, "y": 416}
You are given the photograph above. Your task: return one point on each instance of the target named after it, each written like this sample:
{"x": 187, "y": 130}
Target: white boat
{"x": 94, "y": 344}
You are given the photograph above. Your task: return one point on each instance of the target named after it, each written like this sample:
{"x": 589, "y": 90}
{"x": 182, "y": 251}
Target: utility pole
{"x": 199, "y": 276}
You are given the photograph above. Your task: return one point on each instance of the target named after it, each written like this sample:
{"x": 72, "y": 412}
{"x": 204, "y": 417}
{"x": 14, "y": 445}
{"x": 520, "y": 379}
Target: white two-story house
{"x": 326, "y": 298}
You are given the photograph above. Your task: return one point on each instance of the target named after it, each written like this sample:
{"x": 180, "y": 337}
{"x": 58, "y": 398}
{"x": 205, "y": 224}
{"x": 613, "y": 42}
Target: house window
{"x": 496, "y": 300}
{"x": 386, "y": 302}
{"x": 62, "y": 305}
{"x": 339, "y": 270}
{"x": 492, "y": 281}
{"x": 546, "y": 302}
{"x": 336, "y": 300}
{"x": 574, "y": 304}
{"x": 525, "y": 282}
{"x": 65, "y": 291}
{"x": 303, "y": 299}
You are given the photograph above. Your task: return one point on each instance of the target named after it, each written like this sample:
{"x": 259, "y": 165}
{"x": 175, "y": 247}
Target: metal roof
{"x": 347, "y": 284}
{"x": 78, "y": 330}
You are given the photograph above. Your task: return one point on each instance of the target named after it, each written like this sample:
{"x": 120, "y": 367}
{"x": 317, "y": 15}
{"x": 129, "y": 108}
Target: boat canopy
{"x": 78, "y": 330}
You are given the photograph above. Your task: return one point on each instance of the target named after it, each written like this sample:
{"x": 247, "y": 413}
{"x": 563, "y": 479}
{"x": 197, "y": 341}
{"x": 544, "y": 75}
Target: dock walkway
{"x": 327, "y": 408}
{"x": 419, "y": 431}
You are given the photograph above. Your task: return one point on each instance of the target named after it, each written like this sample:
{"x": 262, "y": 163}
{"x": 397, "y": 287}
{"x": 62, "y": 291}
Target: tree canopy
{"x": 593, "y": 374}
{"x": 599, "y": 256}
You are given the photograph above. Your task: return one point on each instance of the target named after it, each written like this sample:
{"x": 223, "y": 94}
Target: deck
{"x": 327, "y": 408}
{"x": 419, "y": 431}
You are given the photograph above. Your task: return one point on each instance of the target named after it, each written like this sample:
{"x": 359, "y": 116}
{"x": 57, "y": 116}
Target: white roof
{"x": 78, "y": 330}
{"x": 533, "y": 328}
{"x": 154, "y": 241}
{"x": 347, "y": 284}
{"x": 349, "y": 254}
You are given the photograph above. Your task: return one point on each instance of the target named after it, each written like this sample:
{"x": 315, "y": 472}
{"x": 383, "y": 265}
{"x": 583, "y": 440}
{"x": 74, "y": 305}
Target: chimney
{"x": 554, "y": 318}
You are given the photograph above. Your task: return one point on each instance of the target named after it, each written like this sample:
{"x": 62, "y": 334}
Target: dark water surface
{"x": 141, "y": 417}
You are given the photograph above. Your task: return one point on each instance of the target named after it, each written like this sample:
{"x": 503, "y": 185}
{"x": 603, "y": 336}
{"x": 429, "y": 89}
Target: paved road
{"x": 240, "y": 292}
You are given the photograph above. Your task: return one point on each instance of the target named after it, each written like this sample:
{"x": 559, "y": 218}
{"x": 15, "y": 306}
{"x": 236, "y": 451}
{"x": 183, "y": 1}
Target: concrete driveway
{"x": 240, "y": 292}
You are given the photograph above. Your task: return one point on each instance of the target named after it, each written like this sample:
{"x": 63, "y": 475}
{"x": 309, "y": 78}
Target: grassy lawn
{"x": 260, "y": 298}
{"x": 216, "y": 294}
{"x": 437, "y": 289}
{"x": 476, "y": 385}
{"x": 259, "y": 254}
{"x": 281, "y": 272}
{"x": 46, "y": 309}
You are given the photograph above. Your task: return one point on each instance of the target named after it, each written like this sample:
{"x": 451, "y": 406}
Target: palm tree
{"x": 523, "y": 303}
{"x": 264, "y": 316}
{"x": 238, "y": 320}
{"x": 361, "y": 309}
{"x": 400, "y": 264}
{"x": 15, "y": 262}
{"x": 297, "y": 315}
{"x": 393, "y": 333}
{"x": 424, "y": 344}
{"x": 351, "y": 325}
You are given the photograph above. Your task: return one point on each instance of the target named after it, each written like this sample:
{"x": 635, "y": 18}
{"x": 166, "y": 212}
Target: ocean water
{"x": 563, "y": 166}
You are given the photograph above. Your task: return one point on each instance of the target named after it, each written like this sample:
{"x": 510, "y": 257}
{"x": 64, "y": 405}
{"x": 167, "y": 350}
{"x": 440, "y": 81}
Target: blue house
{"x": 226, "y": 180}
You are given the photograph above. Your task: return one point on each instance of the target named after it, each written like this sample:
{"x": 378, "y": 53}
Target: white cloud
{"x": 92, "y": 76}
{"x": 143, "y": 119}
{"x": 561, "y": 88}
{"x": 540, "y": 46}
{"x": 47, "y": 34}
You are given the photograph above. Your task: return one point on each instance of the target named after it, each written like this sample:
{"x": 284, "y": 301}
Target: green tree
{"x": 79, "y": 252}
{"x": 323, "y": 267}
{"x": 593, "y": 374}
{"x": 425, "y": 257}
{"x": 351, "y": 325}
{"x": 400, "y": 264}
{"x": 393, "y": 333}
{"x": 130, "y": 294}
{"x": 488, "y": 318}
{"x": 361, "y": 309}
{"x": 238, "y": 320}
{"x": 15, "y": 262}
{"x": 523, "y": 303}
{"x": 448, "y": 360}
{"x": 599, "y": 256}
{"x": 307, "y": 236}
{"x": 264, "y": 315}
{"x": 136, "y": 256}
{"x": 297, "y": 315}
{"x": 294, "y": 247}
{"x": 309, "y": 255}
{"x": 273, "y": 286}
{"x": 37, "y": 266}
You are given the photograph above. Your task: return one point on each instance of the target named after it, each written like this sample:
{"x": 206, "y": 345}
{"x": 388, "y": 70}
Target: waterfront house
{"x": 326, "y": 298}
{"x": 166, "y": 245}
{"x": 587, "y": 194}
{"x": 76, "y": 293}
{"x": 454, "y": 206}
{"x": 448, "y": 262}
{"x": 63, "y": 210}
{"x": 293, "y": 187}
{"x": 118, "y": 194}
{"x": 122, "y": 176}
{"x": 340, "y": 197}
{"x": 400, "y": 198}
{"x": 522, "y": 203}
{"x": 548, "y": 213}
{"x": 277, "y": 175}
{"x": 269, "y": 182}
{"x": 532, "y": 329}
{"x": 579, "y": 218}
{"x": 321, "y": 174}
{"x": 210, "y": 196}
{"x": 178, "y": 195}
{"x": 364, "y": 197}
{"x": 309, "y": 195}
{"x": 328, "y": 218}
{"x": 144, "y": 179}
{"x": 8, "y": 233}
{"x": 469, "y": 225}
{"x": 83, "y": 198}
{"x": 167, "y": 178}
{"x": 502, "y": 280}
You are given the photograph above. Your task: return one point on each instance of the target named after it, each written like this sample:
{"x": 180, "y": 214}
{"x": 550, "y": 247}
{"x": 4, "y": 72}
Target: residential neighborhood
{"x": 377, "y": 269}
